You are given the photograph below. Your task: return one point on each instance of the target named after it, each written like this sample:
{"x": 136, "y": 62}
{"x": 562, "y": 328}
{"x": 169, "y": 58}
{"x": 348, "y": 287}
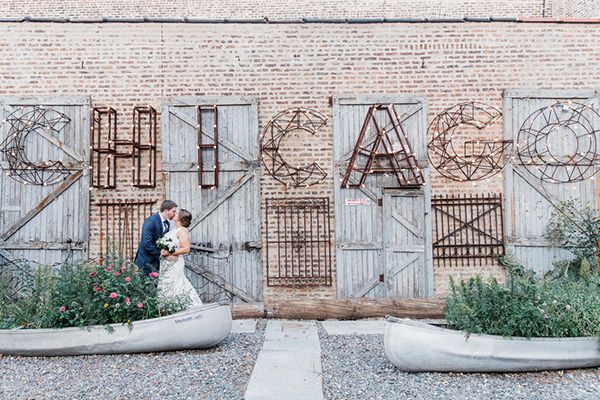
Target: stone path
{"x": 289, "y": 364}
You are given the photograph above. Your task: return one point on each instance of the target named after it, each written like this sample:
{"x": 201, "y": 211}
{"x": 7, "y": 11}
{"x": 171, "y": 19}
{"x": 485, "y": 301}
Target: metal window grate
{"x": 298, "y": 242}
{"x": 467, "y": 229}
{"x": 120, "y": 226}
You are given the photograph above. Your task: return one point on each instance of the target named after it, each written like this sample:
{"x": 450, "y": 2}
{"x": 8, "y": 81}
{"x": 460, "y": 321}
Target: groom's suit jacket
{"x": 148, "y": 255}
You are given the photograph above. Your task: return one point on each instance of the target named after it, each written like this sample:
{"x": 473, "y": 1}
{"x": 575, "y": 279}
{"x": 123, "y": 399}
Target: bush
{"x": 563, "y": 303}
{"x": 578, "y": 230}
{"x": 526, "y": 307}
{"x": 83, "y": 295}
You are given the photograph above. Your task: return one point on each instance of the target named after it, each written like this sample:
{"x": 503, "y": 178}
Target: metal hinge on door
{"x": 381, "y": 278}
{"x": 380, "y": 202}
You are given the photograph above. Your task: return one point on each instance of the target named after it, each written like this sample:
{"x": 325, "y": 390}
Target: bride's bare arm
{"x": 184, "y": 243}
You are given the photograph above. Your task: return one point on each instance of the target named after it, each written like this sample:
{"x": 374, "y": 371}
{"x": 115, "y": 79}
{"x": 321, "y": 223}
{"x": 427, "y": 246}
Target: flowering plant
{"x": 167, "y": 243}
{"x": 113, "y": 291}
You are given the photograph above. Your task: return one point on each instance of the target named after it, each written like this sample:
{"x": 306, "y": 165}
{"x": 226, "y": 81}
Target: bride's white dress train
{"x": 172, "y": 281}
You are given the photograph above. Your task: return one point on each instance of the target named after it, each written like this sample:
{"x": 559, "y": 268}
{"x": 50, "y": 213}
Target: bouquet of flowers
{"x": 167, "y": 243}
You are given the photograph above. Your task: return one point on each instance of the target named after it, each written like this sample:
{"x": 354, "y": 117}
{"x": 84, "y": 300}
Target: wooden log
{"x": 355, "y": 308}
{"x": 248, "y": 310}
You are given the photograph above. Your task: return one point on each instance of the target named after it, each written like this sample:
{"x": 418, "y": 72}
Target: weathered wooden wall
{"x": 226, "y": 219}
{"x": 383, "y": 245}
{"x": 42, "y": 223}
{"x": 529, "y": 202}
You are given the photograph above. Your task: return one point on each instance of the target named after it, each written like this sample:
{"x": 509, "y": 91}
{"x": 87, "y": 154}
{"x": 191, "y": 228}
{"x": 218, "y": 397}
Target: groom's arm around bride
{"x": 154, "y": 227}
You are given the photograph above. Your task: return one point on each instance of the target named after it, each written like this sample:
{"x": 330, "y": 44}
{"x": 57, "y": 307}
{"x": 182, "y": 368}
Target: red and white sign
{"x": 358, "y": 202}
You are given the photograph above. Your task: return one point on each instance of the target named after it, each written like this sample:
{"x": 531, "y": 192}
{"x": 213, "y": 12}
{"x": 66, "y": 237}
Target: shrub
{"x": 526, "y": 306}
{"x": 578, "y": 230}
{"x": 563, "y": 303}
{"x": 87, "y": 294}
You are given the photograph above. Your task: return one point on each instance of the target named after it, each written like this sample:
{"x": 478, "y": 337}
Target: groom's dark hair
{"x": 185, "y": 217}
{"x": 167, "y": 205}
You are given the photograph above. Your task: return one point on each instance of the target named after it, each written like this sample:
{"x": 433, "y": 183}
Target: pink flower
{"x": 113, "y": 295}
{"x": 92, "y": 274}
{"x": 153, "y": 274}
{"x": 111, "y": 265}
{"x": 127, "y": 300}
{"x": 123, "y": 269}
{"x": 117, "y": 273}
{"x": 62, "y": 309}
{"x": 107, "y": 269}
{"x": 140, "y": 305}
{"x": 127, "y": 279}
{"x": 98, "y": 289}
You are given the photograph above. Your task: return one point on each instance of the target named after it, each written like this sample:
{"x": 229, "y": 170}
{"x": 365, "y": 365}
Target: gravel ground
{"x": 222, "y": 372}
{"x": 355, "y": 367}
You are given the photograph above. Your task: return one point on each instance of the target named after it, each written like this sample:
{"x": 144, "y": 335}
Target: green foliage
{"x": 526, "y": 307}
{"x": 83, "y": 295}
{"x": 563, "y": 303}
{"x": 576, "y": 229}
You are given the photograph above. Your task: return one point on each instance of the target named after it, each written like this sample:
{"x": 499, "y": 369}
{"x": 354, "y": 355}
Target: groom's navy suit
{"x": 148, "y": 255}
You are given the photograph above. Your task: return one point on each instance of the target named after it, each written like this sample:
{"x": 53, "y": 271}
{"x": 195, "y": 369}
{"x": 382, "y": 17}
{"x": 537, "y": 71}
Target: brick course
{"x": 123, "y": 65}
{"x": 274, "y": 10}
{"x": 576, "y": 8}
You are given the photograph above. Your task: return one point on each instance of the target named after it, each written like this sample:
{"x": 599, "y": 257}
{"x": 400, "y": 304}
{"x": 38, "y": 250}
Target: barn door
{"x": 44, "y": 188}
{"x": 222, "y": 192}
{"x": 404, "y": 243}
{"x": 383, "y": 234}
{"x": 532, "y": 185}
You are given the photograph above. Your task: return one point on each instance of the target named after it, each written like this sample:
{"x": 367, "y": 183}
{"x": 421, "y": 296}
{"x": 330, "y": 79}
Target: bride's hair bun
{"x": 185, "y": 217}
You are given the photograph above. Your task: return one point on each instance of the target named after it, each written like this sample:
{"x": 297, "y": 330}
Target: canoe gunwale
{"x": 467, "y": 335}
{"x": 184, "y": 313}
{"x": 416, "y": 346}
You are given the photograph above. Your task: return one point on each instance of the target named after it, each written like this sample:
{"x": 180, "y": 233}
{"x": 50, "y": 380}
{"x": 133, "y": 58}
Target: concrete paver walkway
{"x": 289, "y": 364}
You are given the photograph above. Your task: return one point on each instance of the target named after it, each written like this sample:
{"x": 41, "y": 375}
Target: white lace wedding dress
{"x": 172, "y": 281}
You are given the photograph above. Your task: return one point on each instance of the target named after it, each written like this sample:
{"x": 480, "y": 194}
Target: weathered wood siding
{"x": 528, "y": 201}
{"x": 383, "y": 247}
{"x": 226, "y": 220}
{"x": 37, "y": 222}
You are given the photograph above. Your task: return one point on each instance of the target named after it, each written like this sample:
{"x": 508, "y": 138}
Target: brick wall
{"x": 273, "y": 9}
{"x": 576, "y": 8}
{"x": 123, "y": 65}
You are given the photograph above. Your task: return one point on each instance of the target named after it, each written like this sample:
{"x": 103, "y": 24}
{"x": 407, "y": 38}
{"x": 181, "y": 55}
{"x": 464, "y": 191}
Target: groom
{"x": 154, "y": 227}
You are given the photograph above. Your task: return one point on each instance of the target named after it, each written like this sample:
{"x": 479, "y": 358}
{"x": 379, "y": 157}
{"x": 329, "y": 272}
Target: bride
{"x": 172, "y": 282}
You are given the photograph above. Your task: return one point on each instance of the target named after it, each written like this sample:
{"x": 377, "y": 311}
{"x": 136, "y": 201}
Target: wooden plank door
{"x": 404, "y": 243}
{"x": 383, "y": 236}
{"x": 46, "y": 223}
{"x": 529, "y": 201}
{"x": 225, "y": 230}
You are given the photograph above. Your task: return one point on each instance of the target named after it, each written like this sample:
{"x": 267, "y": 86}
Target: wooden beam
{"x": 60, "y": 145}
{"x": 225, "y": 166}
{"x": 219, "y": 281}
{"x": 42, "y": 246}
{"x": 367, "y": 287}
{"x": 23, "y": 101}
{"x": 248, "y": 310}
{"x": 218, "y": 201}
{"x": 41, "y": 205}
{"x": 405, "y": 223}
{"x": 203, "y": 248}
{"x": 9, "y": 257}
{"x": 349, "y": 246}
{"x": 222, "y": 142}
{"x": 355, "y": 308}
